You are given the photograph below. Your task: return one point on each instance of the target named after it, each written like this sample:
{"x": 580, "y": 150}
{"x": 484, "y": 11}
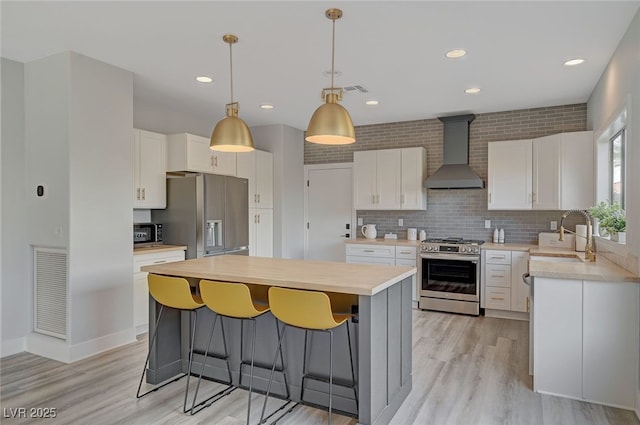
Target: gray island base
{"x": 380, "y": 332}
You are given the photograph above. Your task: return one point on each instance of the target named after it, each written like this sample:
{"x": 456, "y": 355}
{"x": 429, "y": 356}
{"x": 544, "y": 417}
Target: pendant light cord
{"x": 231, "y": 68}
{"x": 333, "y": 52}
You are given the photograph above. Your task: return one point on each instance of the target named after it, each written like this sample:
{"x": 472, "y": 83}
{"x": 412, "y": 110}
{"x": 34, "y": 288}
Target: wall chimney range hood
{"x": 455, "y": 172}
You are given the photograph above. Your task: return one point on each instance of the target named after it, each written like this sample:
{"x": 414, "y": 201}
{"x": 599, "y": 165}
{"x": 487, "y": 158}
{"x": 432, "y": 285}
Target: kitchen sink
{"x": 550, "y": 259}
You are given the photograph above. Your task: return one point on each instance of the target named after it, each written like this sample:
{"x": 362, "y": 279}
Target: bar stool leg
{"x": 304, "y": 364}
{"x": 193, "y": 338}
{"x": 353, "y": 373}
{"x": 253, "y": 354}
{"x": 330, "y": 372}
{"x": 273, "y": 369}
{"x": 284, "y": 372}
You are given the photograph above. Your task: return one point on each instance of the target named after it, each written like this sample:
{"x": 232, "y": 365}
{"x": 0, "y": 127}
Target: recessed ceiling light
{"x": 204, "y": 79}
{"x": 371, "y": 102}
{"x": 456, "y": 53}
{"x": 267, "y": 106}
{"x": 472, "y": 90}
{"x": 573, "y": 62}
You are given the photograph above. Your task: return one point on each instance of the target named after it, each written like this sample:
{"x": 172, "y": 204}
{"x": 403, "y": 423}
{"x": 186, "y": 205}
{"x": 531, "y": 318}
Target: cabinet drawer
{"x": 497, "y": 275}
{"x": 372, "y": 250}
{"x": 498, "y": 298}
{"x": 371, "y": 260}
{"x": 406, "y": 262}
{"x": 498, "y": 257}
{"x": 408, "y": 252}
{"x": 159, "y": 258}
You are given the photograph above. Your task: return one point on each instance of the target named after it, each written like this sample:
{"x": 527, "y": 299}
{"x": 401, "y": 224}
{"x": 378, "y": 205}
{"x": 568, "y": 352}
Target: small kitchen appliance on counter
{"x": 450, "y": 275}
{"x": 147, "y": 234}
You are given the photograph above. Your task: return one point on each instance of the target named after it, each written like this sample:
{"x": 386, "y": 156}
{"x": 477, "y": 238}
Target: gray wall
{"x": 459, "y": 212}
{"x": 15, "y": 302}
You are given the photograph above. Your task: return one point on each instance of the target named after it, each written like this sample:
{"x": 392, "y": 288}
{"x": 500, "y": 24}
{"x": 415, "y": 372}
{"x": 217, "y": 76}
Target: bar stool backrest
{"x": 304, "y": 309}
{"x": 173, "y": 292}
{"x": 229, "y": 299}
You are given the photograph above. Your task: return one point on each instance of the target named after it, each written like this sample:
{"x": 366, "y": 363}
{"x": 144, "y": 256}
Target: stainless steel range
{"x": 450, "y": 275}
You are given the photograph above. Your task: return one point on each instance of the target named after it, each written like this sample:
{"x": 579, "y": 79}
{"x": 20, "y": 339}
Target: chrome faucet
{"x": 589, "y": 255}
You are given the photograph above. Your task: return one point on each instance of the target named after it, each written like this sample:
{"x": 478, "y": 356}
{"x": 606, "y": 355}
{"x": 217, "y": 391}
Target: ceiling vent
{"x": 356, "y": 88}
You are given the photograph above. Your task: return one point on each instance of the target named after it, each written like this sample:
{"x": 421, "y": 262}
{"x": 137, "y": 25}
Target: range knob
{"x": 463, "y": 249}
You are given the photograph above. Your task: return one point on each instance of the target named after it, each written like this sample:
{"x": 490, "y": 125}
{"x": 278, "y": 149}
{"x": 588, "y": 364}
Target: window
{"x": 617, "y": 168}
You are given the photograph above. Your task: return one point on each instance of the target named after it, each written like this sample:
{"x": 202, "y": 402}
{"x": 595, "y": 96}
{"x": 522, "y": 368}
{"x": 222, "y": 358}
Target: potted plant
{"x": 598, "y": 212}
{"x": 615, "y": 223}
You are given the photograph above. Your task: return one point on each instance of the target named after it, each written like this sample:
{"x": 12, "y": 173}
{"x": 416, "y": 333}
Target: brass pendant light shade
{"x": 231, "y": 134}
{"x": 331, "y": 123}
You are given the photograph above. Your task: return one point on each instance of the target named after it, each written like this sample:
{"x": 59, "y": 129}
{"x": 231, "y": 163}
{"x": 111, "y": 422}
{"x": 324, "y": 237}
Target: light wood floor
{"x": 466, "y": 370}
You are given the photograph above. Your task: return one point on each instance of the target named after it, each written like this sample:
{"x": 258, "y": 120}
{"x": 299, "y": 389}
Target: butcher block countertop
{"x": 601, "y": 270}
{"x": 508, "y": 246}
{"x": 158, "y": 248}
{"x": 356, "y": 279}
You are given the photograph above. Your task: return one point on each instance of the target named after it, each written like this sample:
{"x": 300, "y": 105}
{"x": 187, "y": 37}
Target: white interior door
{"x": 329, "y": 205}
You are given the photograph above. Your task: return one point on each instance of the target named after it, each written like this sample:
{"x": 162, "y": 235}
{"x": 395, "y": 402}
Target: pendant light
{"x": 331, "y": 123}
{"x": 231, "y": 134}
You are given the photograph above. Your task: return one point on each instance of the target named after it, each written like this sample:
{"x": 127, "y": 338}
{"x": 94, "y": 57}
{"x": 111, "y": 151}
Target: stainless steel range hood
{"x": 455, "y": 173}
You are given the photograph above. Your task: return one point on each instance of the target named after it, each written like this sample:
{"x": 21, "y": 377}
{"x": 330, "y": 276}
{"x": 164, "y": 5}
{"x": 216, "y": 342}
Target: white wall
{"x": 286, "y": 145}
{"x": 619, "y": 87}
{"x": 620, "y": 83}
{"x": 14, "y": 288}
{"x": 78, "y": 120}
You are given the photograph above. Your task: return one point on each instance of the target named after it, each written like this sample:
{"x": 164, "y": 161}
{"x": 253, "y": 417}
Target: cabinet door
{"x": 610, "y": 342}
{"x": 509, "y": 175}
{"x": 199, "y": 156}
{"x": 137, "y": 192}
{"x": 519, "y": 290}
{"x": 577, "y": 172}
{"x": 264, "y": 179}
{"x": 498, "y": 275}
{"x": 388, "y": 176}
{"x": 546, "y": 173}
{"x": 223, "y": 162}
{"x": 264, "y": 233}
{"x": 413, "y": 194}
{"x": 140, "y": 299}
{"x": 246, "y": 168}
{"x": 557, "y": 336}
{"x": 498, "y": 298}
{"x": 152, "y": 170}
{"x": 364, "y": 180}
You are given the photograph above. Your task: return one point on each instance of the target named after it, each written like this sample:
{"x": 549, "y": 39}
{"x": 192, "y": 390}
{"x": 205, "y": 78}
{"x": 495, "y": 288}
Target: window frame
{"x": 623, "y": 165}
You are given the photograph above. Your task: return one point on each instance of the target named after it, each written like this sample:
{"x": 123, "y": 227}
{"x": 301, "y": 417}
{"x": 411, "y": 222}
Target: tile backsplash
{"x": 459, "y": 212}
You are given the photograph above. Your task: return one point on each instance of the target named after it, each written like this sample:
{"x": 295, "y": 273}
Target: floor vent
{"x": 50, "y": 292}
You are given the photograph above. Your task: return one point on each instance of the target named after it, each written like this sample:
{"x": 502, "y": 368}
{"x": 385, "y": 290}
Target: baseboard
{"x": 57, "y": 349}
{"x": 505, "y": 314}
{"x": 638, "y": 403}
{"x": 99, "y": 345}
{"x": 47, "y": 346}
{"x": 12, "y": 346}
{"x": 142, "y": 329}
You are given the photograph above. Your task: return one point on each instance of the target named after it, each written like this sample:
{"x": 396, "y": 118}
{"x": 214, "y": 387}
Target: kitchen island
{"x": 381, "y": 330}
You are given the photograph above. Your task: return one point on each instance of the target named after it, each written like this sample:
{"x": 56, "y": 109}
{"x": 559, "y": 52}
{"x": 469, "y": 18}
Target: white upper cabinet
{"x": 509, "y": 175}
{"x": 188, "y": 152}
{"x": 149, "y": 165}
{"x": 389, "y": 179}
{"x": 548, "y": 173}
{"x": 257, "y": 167}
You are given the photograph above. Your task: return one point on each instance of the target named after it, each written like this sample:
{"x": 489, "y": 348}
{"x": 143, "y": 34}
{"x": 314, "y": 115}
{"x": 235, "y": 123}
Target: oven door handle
{"x": 470, "y": 258}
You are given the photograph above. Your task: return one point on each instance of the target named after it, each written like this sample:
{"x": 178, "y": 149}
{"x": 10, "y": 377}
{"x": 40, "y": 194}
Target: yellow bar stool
{"x": 310, "y": 311}
{"x": 173, "y": 292}
{"x": 243, "y": 302}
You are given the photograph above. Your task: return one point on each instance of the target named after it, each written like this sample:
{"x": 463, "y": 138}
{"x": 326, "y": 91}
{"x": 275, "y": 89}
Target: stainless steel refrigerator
{"x": 207, "y": 213}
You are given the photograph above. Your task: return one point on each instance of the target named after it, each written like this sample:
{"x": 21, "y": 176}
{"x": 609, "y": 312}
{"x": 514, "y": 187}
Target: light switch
{"x": 360, "y": 222}
{"x": 400, "y": 222}
{"x": 554, "y": 225}
{"x": 487, "y": 224}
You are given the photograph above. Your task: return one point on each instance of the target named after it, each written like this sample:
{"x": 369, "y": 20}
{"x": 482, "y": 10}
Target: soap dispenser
{"x": 495, "y": 235}
{"x": 501, "y": 236}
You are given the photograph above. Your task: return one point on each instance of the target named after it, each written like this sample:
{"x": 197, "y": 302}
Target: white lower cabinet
{"x": 502, "y": 283}
{"x": 585, "y": 340}
{"x": 391, "y": 255}
{"x": 140, "y": 287}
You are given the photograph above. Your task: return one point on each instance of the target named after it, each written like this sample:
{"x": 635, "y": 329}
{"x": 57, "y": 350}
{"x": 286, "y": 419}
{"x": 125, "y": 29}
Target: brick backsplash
{"x": 459, "y": 212}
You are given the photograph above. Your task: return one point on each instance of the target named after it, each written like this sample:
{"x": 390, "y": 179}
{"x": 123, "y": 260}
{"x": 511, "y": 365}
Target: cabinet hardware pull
{"x": 533, "y": 197}
{"x": 497, "y": 298}
{"x": 159, "y": 261}
{"x": 501, "y": 257}
{"x": 369, "y": 250}
{"x": 143, "y": 194}
{"x": 527, "y": 304}
{"x": 138, "y": 196}
{"x": 215, "y": 160}
{"x": 258, "y": 218}
{"x": 405, "y": 252}
{"x": 497, "y": 275}
{"x": 258, "y": 198}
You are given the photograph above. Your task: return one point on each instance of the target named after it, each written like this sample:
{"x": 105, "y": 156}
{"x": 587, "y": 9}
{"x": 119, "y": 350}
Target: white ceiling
{"x": 396, "y": 50}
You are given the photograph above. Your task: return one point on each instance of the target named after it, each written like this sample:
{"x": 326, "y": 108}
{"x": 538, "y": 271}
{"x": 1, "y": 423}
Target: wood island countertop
{"x": 158, "y": 248}
{"x": 346, "y": 278}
